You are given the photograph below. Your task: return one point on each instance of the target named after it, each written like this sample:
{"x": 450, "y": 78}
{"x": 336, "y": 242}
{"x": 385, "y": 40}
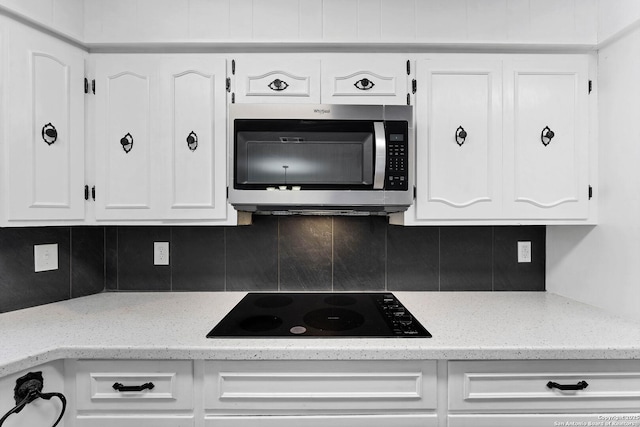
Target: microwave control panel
{"x": 397, "y": 174}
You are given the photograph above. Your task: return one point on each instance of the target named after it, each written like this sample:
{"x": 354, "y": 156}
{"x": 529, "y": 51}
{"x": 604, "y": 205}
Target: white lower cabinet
{"x": 544, "y": 393}
{"x": 40, "y": 412}
{"x": 132, "y": 393}
{"x": 320, "y": 393}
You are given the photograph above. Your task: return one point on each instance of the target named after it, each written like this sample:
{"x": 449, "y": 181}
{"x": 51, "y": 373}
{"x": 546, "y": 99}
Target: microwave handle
{"x": 381, "y": 155}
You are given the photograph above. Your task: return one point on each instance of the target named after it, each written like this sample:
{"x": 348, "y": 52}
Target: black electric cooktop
{"x": 346, "y": 315}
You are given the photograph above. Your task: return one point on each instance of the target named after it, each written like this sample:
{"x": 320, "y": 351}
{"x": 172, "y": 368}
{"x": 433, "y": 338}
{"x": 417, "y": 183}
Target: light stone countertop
{"x": 173, "y": 325}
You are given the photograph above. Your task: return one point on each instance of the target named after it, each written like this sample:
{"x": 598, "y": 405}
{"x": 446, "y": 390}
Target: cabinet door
{"x": 458, "y": 128}
{"x": 40, "y": 412}
{"x": 546, "y": 138}
{"x": 272, "y": 79}
{"x": 380, "y": 79}
{"x": 193, "y": 118}
{"x": 127, "y": 137}
{"x": 44, "y": 128}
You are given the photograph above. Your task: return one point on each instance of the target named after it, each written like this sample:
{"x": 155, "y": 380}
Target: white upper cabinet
{"x": 161, "y": 137}
{"x": 459, "y": 129}
{"x": 44, "y": 128}
{"x": 546, "y": 138}
{"x": 364, "y": 79}
{"x": 503, "y": 139}
{"x": 193, "y": 123}
{"x": 277, "y": 78}
{"x": 128, "y": 145}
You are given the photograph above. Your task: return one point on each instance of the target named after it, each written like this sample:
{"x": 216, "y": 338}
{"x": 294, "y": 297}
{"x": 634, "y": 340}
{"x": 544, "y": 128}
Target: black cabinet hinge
{"x": 93, "y": 86}
{"x": 93, "y": 192}
{"x": 227, "y": 192}
{"x": 233, "y": 67}
{"x": 86, "y": 85}
{"x": 408, "y": 99}
{"x": 590, "y": 86}
{"x": 228, "y": 84}
{"x": 408, "y": 67}
{"x": 233, "y": 98}
{"x": 590, "y": 192}
{"x": 415, "y": 192}
{"x": 86, "y": 192}
{"x": 414, "y": 86}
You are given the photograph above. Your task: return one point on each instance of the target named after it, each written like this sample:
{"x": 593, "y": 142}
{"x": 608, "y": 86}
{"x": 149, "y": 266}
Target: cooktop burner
{"x": 319, "y": 314}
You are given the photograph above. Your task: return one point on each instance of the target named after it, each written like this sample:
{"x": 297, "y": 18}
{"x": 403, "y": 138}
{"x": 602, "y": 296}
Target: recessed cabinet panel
{"x": 194, "y": 105}
{"x": 269, "y": 80}
{"x": 45, "y": 128}
{"x": 410, "y": 420}
{"x": 51, "y": 162}
{"x": 364, "y": 80}
{"x": 459, "y": 137}
{"x": 546, "y": 139}
{"x": 264, "y": 387}
{"x": 536, "y": 386}
{"x": 127, "y": 138}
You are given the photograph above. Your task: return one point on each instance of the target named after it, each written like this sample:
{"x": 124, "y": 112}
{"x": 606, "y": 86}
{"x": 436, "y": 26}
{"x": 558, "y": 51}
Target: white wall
{"x": 63, "y": 16}
{"x": 544, "y": 22}
{"x": 615, "y": 16}
{"x": 601, "y": 265}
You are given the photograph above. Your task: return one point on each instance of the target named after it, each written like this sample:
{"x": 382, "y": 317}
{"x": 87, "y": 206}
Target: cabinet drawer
{"x": 134, "y": 421}
{"x": 522, "y": 385}
{"x": 542, "y": 420}
{"x": 410, "y": 420}
{"x": 172, "y": 384}
{"x": 271, "y": 386}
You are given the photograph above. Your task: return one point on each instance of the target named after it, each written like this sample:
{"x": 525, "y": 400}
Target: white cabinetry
{"x": 503, "y": 139}
{"x": 274, "y": 79}
{"x": 43, "y": 130}
{"x": 134, "y": 393}
{"x": 160, "y": 135}
{"x": 372, "y": 393}
{"x": 459, "y": 118}
{"x": 40, "y": 412}
{"x": 364, "y": 79}
{"x": 546, "y": 138}
{"x": 329, "y": 79}
{"x": 529, "y": 393}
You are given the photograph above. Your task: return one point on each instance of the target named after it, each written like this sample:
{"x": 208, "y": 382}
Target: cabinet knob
{"x": 192, "y": 141}
{"x": 278, "y": 85}
{"x": 49, "y": 133}
{"x": 127, "y": 142}
{"x": 364, "y": 84}
{"x": 546, "y": 135}
{"x": 461, "y": 135}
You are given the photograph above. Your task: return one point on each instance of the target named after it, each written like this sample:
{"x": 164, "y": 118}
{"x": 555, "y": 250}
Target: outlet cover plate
{"x": 524, "y": 251}
{"x": 45, "y": 257}
{"x": 160, "y": 253}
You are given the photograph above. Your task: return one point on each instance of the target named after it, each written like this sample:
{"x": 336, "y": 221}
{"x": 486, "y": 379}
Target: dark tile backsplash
{"x": 80, "y": 265}
{"x": 275, "y": 253}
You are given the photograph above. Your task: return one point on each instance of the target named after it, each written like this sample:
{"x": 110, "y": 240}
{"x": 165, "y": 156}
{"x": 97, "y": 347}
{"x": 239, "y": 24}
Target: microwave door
{"x": 381, "y": 155}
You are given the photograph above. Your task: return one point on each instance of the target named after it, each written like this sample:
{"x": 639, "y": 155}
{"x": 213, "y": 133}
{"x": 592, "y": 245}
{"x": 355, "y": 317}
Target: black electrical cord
{"x": 33, "y": 395}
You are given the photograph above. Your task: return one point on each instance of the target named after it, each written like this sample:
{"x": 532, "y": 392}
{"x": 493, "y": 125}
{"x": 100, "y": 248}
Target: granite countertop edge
{"x": 465, "y": 326}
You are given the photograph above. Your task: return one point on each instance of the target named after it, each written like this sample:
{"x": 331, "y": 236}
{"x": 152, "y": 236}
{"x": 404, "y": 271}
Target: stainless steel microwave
{"x": 315, "y": 159}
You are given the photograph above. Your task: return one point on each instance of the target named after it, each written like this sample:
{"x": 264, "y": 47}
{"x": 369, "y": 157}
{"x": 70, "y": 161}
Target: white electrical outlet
{"x": 160, "y": 253}
{"x": 524, "y": 251}
{"x": 45, "y": 257}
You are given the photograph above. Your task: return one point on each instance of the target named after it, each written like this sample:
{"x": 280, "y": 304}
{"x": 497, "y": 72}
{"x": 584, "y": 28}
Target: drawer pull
{"x": 580, "y": 386}
{"x": 145, "y": 386}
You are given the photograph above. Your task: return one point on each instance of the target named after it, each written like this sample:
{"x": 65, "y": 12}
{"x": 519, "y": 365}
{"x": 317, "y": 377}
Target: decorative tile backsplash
{"x": 275, "y": 253}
